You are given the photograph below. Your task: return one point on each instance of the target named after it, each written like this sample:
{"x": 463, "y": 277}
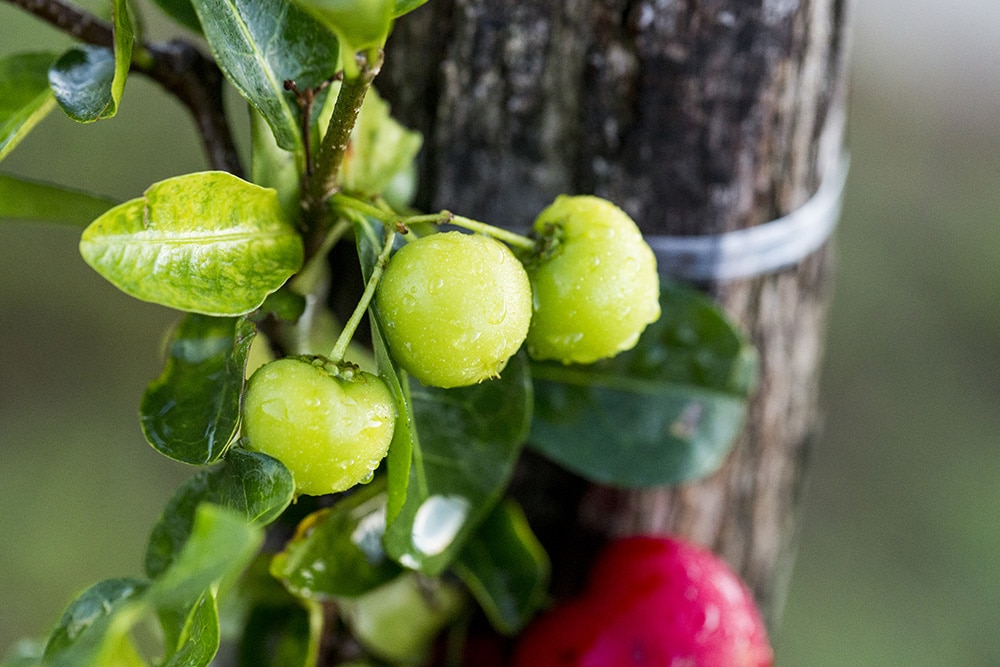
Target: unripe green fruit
{"x": 455, "y": 307}
{"x": 330, "y": 430}
{"x": 399, "y": 620}
{"x": 598, "y": 289}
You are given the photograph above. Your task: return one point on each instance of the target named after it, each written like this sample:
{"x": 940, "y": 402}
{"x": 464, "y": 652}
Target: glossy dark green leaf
{"x": 93, "y": 629}
{"x": 370, "y": 239}
{"x": 196, "y": 639}
{"x": 506, "y": 568}
{"x": 181, "y": 11}
{"x": 221, "y": 544}
{"x": 21, "y": 199}
{"x": 468, "y": 441}
{"x": 190, "y": 413}
{"x": 337, "y": 551}
{"x": 407, "y": 6}
{"x": 207, "y": 242}
{"x": 254, "y": 485}
{"x": 25, "y": 96}
{"x": 665, "y": 412}
{"x": 260, "y": 44}
{"x": 87, "y": 80}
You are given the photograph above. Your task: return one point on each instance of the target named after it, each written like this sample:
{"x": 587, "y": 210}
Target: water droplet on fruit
{"x": 409, "y": 301}
{"x": 367, "y": 478}
{"x": 276, "y": 408}
{"x": 498, "y": 313}
{"x": 437, "y": 522}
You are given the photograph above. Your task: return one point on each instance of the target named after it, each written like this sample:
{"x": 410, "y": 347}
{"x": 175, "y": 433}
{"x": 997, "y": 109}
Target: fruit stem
{"x": 340, "y": 347}
{"x": 442, "y": 218}
{"x": 505, "y": 235}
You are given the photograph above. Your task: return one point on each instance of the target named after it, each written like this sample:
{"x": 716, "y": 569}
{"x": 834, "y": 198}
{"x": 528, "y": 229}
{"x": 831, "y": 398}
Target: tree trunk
{"x": 697, "y": 117}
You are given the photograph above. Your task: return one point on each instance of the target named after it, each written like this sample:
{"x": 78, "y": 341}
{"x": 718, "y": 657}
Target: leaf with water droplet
{"x": 337, "y": 551}
{"x": 84, "y": 634}
{"x": 468, "y": 441}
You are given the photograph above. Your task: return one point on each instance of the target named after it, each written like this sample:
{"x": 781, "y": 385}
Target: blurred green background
{"x": 899, "y": 552}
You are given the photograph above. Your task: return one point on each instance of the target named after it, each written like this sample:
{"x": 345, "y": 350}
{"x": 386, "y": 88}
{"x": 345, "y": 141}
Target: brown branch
{"x": 179, "y": 67}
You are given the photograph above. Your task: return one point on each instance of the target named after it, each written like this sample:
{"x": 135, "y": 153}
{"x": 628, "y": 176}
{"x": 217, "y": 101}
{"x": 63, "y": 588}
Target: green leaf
{"x": 25, "y": 96}
{"x": 252, "y": 484}
{"x": 370, "y": 239}
{"x": 273, "y": 167}
{"x": 261, "y": 44}
{"x": 22, "y": 199}
{"x": 196, "y": 640}
{"x": 81, "y": 80}
{"x": 407, "y": 6}
{"x": 666, "y": 412}
{"x": 359, "y": 24}
{"x": 94, "y": 628}
{"x": 381, "y": 148}
{"x": 181, "y": 11}
{"x": 207, "y": 242}
{"x": 221, "y": 544}
{"x": 190, "y": 413}
{"x": 400, "y": 457}
{"x": 87, "y": 80}
{"x": 337, "y": 551}
{"x": 506, "y": 568}
{"x": 469, "y": 440}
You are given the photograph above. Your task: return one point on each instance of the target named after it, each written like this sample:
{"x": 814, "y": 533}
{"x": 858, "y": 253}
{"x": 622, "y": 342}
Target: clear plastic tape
{"x": 758, "y": 250}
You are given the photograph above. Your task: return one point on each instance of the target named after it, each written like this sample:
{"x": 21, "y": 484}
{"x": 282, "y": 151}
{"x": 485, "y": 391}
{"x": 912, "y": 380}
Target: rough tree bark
{"x": 697, "y": 117}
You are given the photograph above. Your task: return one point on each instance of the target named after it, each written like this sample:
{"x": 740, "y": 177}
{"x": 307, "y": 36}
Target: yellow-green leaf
{"x": 207, "y": 243}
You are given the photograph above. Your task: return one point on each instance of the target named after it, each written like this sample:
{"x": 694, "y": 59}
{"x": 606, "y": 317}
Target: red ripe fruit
{"x": 652, "y": 602}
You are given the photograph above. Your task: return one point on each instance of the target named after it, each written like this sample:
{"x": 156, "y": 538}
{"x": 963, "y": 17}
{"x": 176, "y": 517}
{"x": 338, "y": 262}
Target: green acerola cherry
{"x": 596, "y": 288}
{"x": 329, "y": 424}
{"x": 455, "y": 307}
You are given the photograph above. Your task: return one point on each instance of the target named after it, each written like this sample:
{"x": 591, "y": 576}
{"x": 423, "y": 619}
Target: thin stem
{"x": 443, "y": 218}
{"x": 305, "y": 280}
{"x": 340, "y": 347}
{"x": 343, "y": 201}
{"x": 507, "y": 236}
{"x": 179, "y": 67}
